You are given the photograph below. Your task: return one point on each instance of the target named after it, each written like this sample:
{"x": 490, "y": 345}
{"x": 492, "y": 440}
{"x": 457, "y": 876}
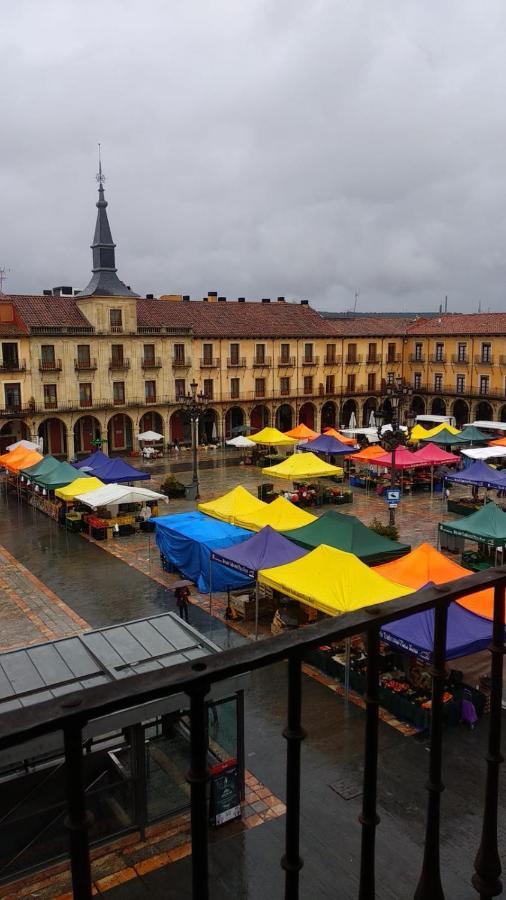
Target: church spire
{"x": 104, "y": 281}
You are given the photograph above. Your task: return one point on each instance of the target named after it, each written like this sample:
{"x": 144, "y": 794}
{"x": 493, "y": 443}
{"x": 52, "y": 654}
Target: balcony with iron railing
{"x": 353, "y": 360}
{"x": 392, "y": 359}
{"x": 117, "y": 329}
{"x": 210, "y": 362}
{"x": 181, "y": 362}
{"x": 310, "y": 361}
{"x": 262, "y": 362}
{"x": 437, "y": 358}
{"x": 50, "y": 404}
{"x": 484, "y": 359}
{"x": 336, "y": 843}
{"x": 373, "y": 360}
{"x": 332, "y": 359}
{"x": 236, "y": 362}
{"x": 120, "y": 363}
{"x": 151, "y": 362}
{"x": 460, "y": 359}
{"x": 85, "y": 365}
{"x": 50, "y": 365}
{"x": 286, "y": 362}
{"x": 417, "y": 357}
{"x": 13, "y": 365}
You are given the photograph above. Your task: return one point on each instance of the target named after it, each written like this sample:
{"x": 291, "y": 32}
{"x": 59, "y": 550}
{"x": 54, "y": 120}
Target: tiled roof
{"x": 11, "y": 329}
{"x": 461, "y": 323}
{"x": 370, "y": 326}
{"x": 232, "y": 319}
{"x": 38, "y": 310}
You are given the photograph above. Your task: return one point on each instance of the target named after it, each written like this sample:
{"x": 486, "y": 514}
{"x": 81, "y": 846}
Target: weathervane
{"x": 100, "y": 178}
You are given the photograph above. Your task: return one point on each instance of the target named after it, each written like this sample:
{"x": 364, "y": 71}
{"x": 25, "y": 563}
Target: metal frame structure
{"x": 194, "y": 404}
{"x": 71, "y": 714}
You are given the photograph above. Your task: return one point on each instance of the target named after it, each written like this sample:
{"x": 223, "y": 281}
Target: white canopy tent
{"x": 115, "y": 494}
{"x": 241, "y": 442}
{"x": 150, "y": 436}
{"x": 485, "y": 452}
{"x": 29, "y": 445}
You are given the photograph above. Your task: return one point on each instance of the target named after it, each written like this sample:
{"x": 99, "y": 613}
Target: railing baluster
{"x": 487, "y": 864}
{"x": 429, "y": 885}
{"x": 198, "y": 777}
{"x": 294, "y": 734}
{"x": 369, "y": 817}
{"x": 77, "y": 818}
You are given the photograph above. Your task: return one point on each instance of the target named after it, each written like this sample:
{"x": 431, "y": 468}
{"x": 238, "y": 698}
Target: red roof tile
{"x": 487, "y": 324}
{"x": 370, "y": 326}
{"x": 39, "y": 310}
{"x": 232, "y": 319}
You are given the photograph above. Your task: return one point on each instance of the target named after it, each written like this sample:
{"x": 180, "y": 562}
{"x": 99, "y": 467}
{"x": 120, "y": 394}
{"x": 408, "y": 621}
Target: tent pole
{"x": 431, "y": 481}
{"x": 210, "y": 588}
{"x": 347, "y": 671}
{"x": 257, "y": 591}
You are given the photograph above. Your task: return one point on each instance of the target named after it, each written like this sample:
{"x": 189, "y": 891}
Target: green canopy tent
{"x": 45, "y": 465}
{"x": 58, "y": 477}
{"x": 350, "y": 534}
{"x": 485, "y": 526}
{"x": 470, "y": 435}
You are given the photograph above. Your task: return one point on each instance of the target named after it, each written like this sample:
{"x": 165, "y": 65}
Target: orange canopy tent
{"x": 20, "y": 458}
{"x": 498, "y": 442}
{"x": 340, "y": 437}
{"x": 426, "y": 564}
{"x": 302, "y": 433}
{"x": 367, "y": 454}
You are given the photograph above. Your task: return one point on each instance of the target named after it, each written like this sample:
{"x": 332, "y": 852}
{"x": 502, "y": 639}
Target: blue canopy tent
{"x": 111, "y": 471}
{"x": 187, "y": 541}
{"x": 466, "y": 633}
{"x": 479, "y": 474}
{"x": 325, "y": 443}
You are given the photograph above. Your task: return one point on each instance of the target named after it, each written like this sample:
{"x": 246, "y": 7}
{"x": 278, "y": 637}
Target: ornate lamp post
{"x": 398, "y": 393}
{"x": 194, "y": 404}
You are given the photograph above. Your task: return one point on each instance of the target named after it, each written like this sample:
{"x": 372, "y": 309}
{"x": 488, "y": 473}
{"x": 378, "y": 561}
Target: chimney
{"x": 63, "y": 290}
{"x": 204, "y": 299}
{"x": 222, "y": 299}
{"x": 304, "y": 302}
{"x": 281, "y": 299}
{"x": 186, "y": 298}
{"x": 149, "y": 297}
{"x": 241, "y": 299}
{"x": 266, "y": 299}
{"x": 212, "y": 296}
{"x": 47, "y": 292}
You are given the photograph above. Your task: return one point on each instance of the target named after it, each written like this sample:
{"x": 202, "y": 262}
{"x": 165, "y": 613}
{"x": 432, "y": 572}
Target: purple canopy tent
{"x": 266, "y": 549}
{"x": 325, "y": 443}
{"x": 111, "y": 471}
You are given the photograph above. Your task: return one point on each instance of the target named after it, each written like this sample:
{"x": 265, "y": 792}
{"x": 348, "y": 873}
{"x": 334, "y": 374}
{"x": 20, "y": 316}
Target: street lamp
{"x": 194, "y": 404}
{"x": 398, "y": 392}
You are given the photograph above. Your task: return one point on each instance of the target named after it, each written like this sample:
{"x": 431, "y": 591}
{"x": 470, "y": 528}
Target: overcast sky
{"x": 260, "y": 147}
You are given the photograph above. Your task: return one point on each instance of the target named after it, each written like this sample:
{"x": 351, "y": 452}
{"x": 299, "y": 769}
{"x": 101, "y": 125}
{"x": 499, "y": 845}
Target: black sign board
{"x": 225, "y": 793}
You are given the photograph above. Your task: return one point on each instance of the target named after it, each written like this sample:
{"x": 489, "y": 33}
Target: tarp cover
{"x": 347, "y": 533}
{"x": 281, "y": 515}
{"x": 466, "y": 633}
{"x": 187, "y": 541}
{"x": 332, "y": 581}
{"x": 58, "y": 476}
{"x": 111, "y": 471}
{"x": 20, "y": 458}
{"x": 486, "y": 524}
{"x": 263, "y": 550}
{"x": 341, "y": 437}
{"x": 404, "y": 459}
{"x": 431, "y": 433}
{"x": 326, "y": 443}
{"x": 426, "y": 564}
{"x": 45, "y": 465}
{"x": 114, "y": 494}
{"x": 485, "y": 452}
{"x": 96, "y": 458}
{"x": 446, "y": 438}
{"x": 232, "y": 506}
{"x": 435, "y": 456}
{"x": 302, "y": 466}
{"x": 302, "y": 433}
{"x": 81, "y": 485}
{"x": 479, "y": 474}
{"x": 273, "y": 438}
{"x": 367, "y": 454}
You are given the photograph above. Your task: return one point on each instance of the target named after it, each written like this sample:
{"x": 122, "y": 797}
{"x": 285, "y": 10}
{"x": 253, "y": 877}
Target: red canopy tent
{"x": 435, "y": 456}
{"x": 404, "y": 459}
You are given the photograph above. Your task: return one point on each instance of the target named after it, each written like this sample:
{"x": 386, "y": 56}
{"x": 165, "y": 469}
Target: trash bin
{"x": 190, "y": 491}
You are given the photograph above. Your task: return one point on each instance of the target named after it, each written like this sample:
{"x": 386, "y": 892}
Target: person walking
{"x": 183, "y": 601}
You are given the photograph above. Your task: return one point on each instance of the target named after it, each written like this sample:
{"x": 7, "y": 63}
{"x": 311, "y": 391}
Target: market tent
{"x": 263, "y": 550}
{"x": 479, "y": 474}
{"x": 471, "y": 433}
{"x": 465, "y": 634}
{"x": 302, "y": 466}
{"x": 273, "y": 438}
{"x": 497, "y": 442}
{"x": 404, "y": 459}
{"x": 280, "y": 515}
{"x": 240, "y": 441}
{"x": 425, "y": 564}
{"x": 302, "y": 433}
{"x": 446, "y": 439}
{"x": 113, "y": 471}
{"x": 331, "y": 581}
{"x": 57, "y": 477}
{"x": 187, "y": 541}
{"x": 82, "y": 484}
{"x": 340, "y": 437}
{"x": 325, "y": 443}
{"x": 435, "y": 456}
{"x": 438, "y": 429}
{"x": 150, "y": 436}
{"x": 20, "y": 459}
{"x": 114, "y": 494}
{"x": 347, "y": 533}
{"x": 94, "y": 459}
{"x": 234, "y": 505}
{"x": 367, "y": 454}
{"x": 45, "y": 465}
{"x": 487, "y": 524}
{"x": 28, "y": 445}
{"x": 418, "y": 433}
{"x": 485, "y": 452}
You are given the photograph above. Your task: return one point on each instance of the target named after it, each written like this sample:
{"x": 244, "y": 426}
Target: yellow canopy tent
{"x": 272, "y": 438}
{"x": 419, "y": 433}
{"x": 232, "y": 506}
{"x": 302, "y": 466}
{"x": 79, "y": 486}
{"x": 276, "y": 514}
{"x": 331, "y": 581}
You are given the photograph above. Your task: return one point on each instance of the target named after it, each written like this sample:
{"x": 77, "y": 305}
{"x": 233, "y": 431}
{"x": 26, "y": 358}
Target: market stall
{"x": 186, "y": 542}
{"x": 20, "y": 458}
{"x": 328, "y": 445}
{"x": 302, "y": 433}
{"x": 405, "y": 462}
{"x": 486, "y": 527}
{"x": 281, "y": 515}
{"x": 269, "y": 438}
{"x": 477, "y": 475}
{"x": 80, "y": 485}
{"x": 301, "y": 468}
{"x": 347, "y": 533}
{"x": 119, "y": 509}
{"x": 368, "y": 474}
{"x": 111, "y": 471}
{"x": 341, "y": 437}
{"x": 232, "y": 506}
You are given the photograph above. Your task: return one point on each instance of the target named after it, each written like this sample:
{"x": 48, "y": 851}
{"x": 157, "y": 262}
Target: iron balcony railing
{"x": 83, "y": 365}
{"x": 417, "y": 357}
{"x": 484, "y": 359}
{"x": 236, "y": 362}
{"x": 262, "y": 362}
{"x": 393, "y": 358}
{"x": 332, "y": 359}
{"x": 353, "y": 360}
{"x": 373, "y": 360}
{"x": 209, "y": 362}
{"x": 460, "y": 359}
{"x": 180, "y": 362}
{"x": 286, "y": 361}
{"x": 154, "y": 362}
{"x": 119, "y": 363}
{"x": 310, "y": 361}
{"x": 72, "y": 712}
{"x": 13, "y": 365}
{"x": 50, "y": 365}
{"x": 436, "y": 358}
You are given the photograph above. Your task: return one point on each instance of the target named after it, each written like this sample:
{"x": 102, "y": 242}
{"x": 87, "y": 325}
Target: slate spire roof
{"x": 104, "y": 281}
